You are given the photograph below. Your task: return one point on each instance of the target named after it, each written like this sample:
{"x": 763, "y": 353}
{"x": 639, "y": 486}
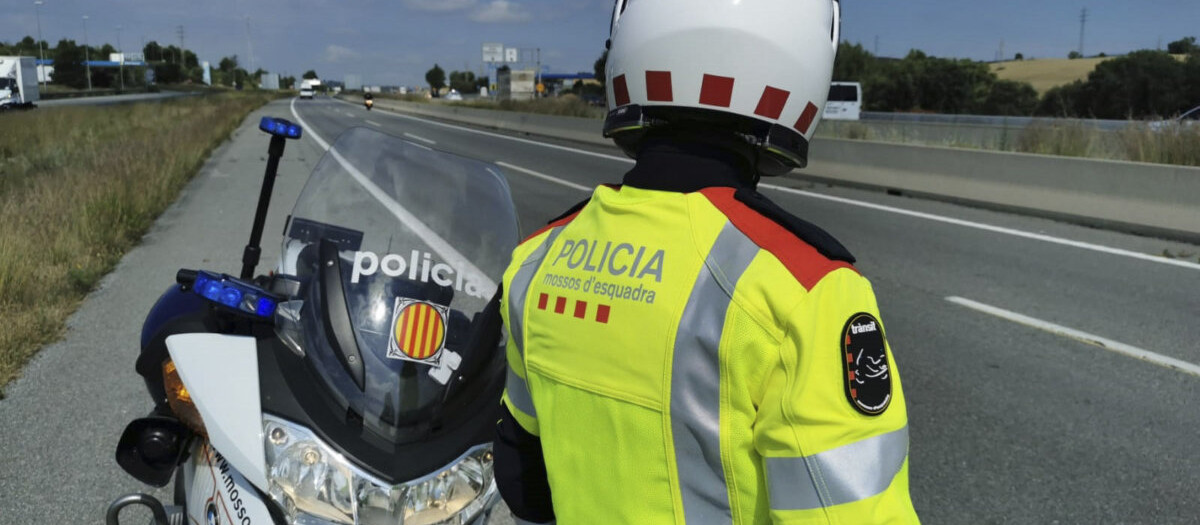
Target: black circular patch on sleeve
{"x": 867, "y": 373}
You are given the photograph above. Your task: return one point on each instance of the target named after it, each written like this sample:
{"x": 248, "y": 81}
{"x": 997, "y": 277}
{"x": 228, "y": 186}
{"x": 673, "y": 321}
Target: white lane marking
{"x": 349, "y": 114}
{"x": 994, "y": 229}
{"x": 1084, "y": 337}
{"x": 879, "y": 207}
{"x": 308, "y": 132}
{"x": 506, "y": 137}
{"x": 543, "y": 176}
{"x": 435, "y": 242}
{"x": 373, "y": 123}
{"x": 422, "y": 139}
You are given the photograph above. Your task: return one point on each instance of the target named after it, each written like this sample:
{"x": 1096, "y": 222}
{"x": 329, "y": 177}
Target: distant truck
{"x": 308, "y": 87}
{"x": 18, "y": 83}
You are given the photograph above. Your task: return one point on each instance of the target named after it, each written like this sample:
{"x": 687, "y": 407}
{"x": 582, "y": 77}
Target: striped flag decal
{"x": 420, "y": 331}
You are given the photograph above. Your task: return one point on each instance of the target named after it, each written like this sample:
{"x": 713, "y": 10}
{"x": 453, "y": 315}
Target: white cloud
{"x": 440, "y": 5}
{"x": 500, "y": 11}
{"x": 336, "y": 53}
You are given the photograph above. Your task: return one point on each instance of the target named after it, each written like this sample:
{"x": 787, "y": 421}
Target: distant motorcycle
{"x": 357, "y": 383}
{"x": 369, "y": 102}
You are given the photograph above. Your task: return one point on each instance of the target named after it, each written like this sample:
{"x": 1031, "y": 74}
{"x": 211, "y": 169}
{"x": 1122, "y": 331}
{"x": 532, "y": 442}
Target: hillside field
{"x": 1046, "y": 73}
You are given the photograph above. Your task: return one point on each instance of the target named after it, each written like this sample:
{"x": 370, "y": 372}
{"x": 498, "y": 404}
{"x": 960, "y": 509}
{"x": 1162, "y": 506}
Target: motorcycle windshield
{"x": 397, "y": 250}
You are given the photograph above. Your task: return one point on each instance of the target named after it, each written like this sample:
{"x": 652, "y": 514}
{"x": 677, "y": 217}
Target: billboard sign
{"x": 493, "y": 53}
{"x": 512, "y": 55}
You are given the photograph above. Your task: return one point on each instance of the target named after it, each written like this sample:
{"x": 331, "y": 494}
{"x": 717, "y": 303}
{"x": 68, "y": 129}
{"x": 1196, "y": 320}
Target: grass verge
{"x": 79, "y": 186}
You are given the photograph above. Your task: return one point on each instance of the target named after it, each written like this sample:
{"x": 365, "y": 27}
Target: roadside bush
{"x": 1142, "y": 84}
{"x": 1010, "y": 98}
{"x": 923, "y": 83}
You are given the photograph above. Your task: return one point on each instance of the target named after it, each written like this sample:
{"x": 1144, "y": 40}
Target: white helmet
{"x": 760, "y": 68}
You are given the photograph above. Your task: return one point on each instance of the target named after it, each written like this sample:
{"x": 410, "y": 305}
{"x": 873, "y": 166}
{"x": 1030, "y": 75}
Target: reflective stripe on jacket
{"x": 692, "y": 371}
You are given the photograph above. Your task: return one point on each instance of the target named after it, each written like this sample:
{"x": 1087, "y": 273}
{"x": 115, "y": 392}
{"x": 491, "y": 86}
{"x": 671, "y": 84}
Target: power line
{"x": 179, "y": 31}
{"x": 1083, "y": 18}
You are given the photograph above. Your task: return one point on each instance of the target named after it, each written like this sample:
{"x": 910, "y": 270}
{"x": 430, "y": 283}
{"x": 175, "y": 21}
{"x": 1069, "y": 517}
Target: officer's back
{"x": 681, "y": 349}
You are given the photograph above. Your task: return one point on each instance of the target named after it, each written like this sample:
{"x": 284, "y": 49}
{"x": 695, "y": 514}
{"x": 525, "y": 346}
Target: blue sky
{"x": 396, "y": 41}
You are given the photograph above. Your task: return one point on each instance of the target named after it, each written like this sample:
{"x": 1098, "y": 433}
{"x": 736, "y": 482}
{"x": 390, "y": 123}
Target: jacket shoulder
{"x": 561, "y": 220}
{"x": 807, "y": 251}
{"x": 805, "y": 231}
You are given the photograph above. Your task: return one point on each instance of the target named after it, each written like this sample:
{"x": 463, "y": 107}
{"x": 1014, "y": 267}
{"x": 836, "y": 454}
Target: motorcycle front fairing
{"x": 389, "y": 351}
{"x": 375, "y": 399}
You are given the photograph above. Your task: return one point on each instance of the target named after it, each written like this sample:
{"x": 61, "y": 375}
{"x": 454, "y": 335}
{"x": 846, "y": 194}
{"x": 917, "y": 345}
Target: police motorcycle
{"x": 357, "y": 383}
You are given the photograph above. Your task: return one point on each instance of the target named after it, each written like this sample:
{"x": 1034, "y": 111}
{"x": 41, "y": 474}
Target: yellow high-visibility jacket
{"x": 683, "y": 358}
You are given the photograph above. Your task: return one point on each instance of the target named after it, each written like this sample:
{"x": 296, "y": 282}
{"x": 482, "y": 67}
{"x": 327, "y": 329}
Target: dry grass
{"x": 1062, "y": 139}
{"x": 1168, "y": 144}
{"x": 79, "y": 186}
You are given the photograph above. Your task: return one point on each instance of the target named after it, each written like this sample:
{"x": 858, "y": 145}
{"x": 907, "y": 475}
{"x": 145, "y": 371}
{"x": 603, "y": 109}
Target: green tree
{"x": 436, "y": 78}
{"x": 599, "y": 66}
{"x": 1138, "y": 85}
{"x": 462, "y": 81}
{"x": 1009, "y": 97}
{"x": 152, "y": 51}
{"x": 1183, "y": 46}
{"x": 191, "y": 62}
{"x": 168, "y": 73}
{"x": 853, "y": 63}
{"x": 1074, "y": 55}
{"x": 28, "y": 46}
{"x": 1062, "y": 101}
{"x": 69, "y": 69}
{"x": 310, "y": 75}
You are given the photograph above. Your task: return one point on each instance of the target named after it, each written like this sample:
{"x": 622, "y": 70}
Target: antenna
{"x": 876, "y": 45}
{"x": 1083, "y": 18}
{"x": 179, "y": 31}
{"x": 250, "y": 47}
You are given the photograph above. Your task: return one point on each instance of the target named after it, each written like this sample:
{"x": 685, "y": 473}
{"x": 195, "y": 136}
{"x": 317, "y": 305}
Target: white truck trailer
{"x": 18, "y": 83}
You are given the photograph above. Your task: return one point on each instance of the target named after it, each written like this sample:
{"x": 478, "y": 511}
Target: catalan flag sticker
{"x": 418, "y": 331}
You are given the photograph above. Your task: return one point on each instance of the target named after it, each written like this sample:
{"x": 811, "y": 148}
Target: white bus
{"x": 845, "y": 101}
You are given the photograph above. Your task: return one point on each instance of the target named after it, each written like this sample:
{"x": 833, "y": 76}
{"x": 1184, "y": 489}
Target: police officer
{"x": 681, "y": 349}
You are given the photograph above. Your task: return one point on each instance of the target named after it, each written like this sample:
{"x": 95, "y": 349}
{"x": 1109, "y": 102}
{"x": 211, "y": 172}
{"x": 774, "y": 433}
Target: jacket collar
{"x": 686, "y": 167}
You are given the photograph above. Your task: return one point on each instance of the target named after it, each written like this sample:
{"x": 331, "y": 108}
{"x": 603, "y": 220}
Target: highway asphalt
{"x": 1011, "y": 421}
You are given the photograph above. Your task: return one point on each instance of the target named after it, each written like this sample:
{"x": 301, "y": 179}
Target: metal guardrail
{"x": 989, "y": 120}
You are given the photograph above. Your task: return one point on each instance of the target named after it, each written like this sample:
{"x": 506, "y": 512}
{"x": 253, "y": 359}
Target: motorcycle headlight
{"x": 309, "y": 479}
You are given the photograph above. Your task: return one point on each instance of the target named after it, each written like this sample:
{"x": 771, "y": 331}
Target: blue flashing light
{"x": 231, "y": 296}
{"x": 237, "y": 295}
{"x": 265, "y": 307}
{"x": 212, "y": 291}
{"x": 280, "y": 127}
